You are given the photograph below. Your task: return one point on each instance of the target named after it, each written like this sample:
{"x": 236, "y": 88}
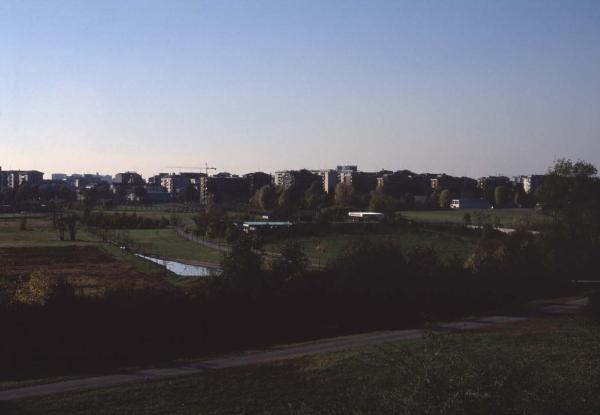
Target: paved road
{"x": 551, "y": 307}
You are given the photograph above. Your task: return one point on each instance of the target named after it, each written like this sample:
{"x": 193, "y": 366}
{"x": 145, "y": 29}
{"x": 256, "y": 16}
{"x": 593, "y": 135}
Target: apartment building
{"x": 14, "y": 178}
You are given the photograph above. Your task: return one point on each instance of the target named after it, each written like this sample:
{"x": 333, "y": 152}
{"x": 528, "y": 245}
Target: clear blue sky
{"x": 466, "y": 87}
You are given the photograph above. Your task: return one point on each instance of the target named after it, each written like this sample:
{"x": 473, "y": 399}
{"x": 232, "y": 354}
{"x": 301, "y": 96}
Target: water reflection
{"x": 181, "y": 269}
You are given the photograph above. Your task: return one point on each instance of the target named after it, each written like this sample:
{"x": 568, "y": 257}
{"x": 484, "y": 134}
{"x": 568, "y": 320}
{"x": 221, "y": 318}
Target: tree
{"x": 520, "y": 198}
{"x": 90, "y": 197}
{"x": 572, "y": 193}
{"x": 380, "y": 202}
{"x": 121, "y": 194}
{"x": 265, "y": 198}
{"x": 232, "y": 234}
{"x": 202, "y": 220}
{"x": 71, "y": 222}
{"x": 209, "y": 222}
{"x": 61, "y": 227}
{"x": 290, "y": 199}
{"x": 7, "y": 195}
{"x": 139, "y": 192}
{"x": 25, "y": 193}
{"x": 344, "y": 194}
{"x": 188, "y": 194}
{"x": 293, "y": 262}
{"x": 66, "y": 194}
{"x": 315, "y": 195}
{"x": 444, "y": 198}
{"x": 567, "y": 168}
{"x": 242, "y": 267}
{"x": 500, "y": 196}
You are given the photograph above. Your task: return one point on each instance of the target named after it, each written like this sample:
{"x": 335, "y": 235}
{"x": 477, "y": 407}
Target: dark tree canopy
{"x": 265, "y": 198}
{"x": 566, "y": 167}
{"x": 344, "y": 194}
{"x": 501, "y": 196}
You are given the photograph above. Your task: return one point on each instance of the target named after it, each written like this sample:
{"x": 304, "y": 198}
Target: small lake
{"x": 181, "y": 269}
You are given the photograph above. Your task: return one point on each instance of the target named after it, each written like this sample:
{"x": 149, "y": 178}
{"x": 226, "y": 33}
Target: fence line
{"x": 201, "y": 241}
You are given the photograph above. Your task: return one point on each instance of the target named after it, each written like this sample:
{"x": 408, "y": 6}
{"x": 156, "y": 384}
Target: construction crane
{"x": 206, "y": 168}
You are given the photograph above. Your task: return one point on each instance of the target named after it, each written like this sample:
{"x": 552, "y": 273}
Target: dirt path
{"x": 548, "y": 307}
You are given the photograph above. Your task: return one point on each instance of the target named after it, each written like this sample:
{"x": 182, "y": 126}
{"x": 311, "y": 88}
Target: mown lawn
{"x": 166, "y": 243}
{"x": 503, "y": 217}
{"x": 545, "y": 366}
{"x": 325, "y": 248}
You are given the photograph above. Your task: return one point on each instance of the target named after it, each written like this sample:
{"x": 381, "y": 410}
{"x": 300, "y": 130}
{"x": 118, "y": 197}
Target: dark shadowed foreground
{"x": 537, "y": 367}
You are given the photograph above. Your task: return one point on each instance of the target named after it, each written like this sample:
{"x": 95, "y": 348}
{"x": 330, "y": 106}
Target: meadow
{"x": 323, "y": 249}
{"x": 38, "y": 232}
{"x": 165, "y": 243}
{"x": 507, "y": 218}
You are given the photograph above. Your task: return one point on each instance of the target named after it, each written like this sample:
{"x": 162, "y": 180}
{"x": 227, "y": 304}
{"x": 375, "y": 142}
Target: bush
{"x": 42, "y": 289}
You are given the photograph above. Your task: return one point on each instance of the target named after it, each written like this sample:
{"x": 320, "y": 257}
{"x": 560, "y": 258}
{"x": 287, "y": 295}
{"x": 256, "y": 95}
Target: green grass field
{"x": 38, "y": 232}
{"x": 166, "y": 243}
{"x": 504, "y": 217}
{"x": 446, "y": 244}
{"x": 544, "y": 366}
{"x": 46, "y": 237}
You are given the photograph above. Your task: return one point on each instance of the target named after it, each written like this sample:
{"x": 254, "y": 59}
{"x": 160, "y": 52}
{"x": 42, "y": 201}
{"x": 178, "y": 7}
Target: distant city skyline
{"x": 48, "y": 174}
{"x": 468, "y": 88}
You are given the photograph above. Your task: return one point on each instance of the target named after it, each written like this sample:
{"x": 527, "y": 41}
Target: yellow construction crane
{"x": 206, "y": 168}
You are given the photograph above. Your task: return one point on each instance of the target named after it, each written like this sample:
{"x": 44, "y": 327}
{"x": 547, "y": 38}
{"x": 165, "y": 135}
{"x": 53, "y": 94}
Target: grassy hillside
{"x": 536, "y": 367}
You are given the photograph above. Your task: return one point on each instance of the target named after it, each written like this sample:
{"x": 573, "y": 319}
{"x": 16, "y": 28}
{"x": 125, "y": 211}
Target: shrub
{"x": 42, "y": 289}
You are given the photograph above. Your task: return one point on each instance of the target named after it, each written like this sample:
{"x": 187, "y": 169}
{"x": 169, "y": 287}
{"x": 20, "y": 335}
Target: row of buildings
{"x": 14, "y": 178}
{"x": 401, "y": 181}
{"x": 225, "y": 188}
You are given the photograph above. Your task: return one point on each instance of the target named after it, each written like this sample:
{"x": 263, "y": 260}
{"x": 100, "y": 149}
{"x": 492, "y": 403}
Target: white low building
{"x": 366, "y": 216}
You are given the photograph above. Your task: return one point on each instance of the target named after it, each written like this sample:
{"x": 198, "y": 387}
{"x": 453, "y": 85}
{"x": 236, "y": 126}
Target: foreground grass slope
{"x": 537, "y": 367}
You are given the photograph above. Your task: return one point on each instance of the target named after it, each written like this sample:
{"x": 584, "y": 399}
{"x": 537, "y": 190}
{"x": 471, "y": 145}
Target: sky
{"x": 463, "y": 87}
